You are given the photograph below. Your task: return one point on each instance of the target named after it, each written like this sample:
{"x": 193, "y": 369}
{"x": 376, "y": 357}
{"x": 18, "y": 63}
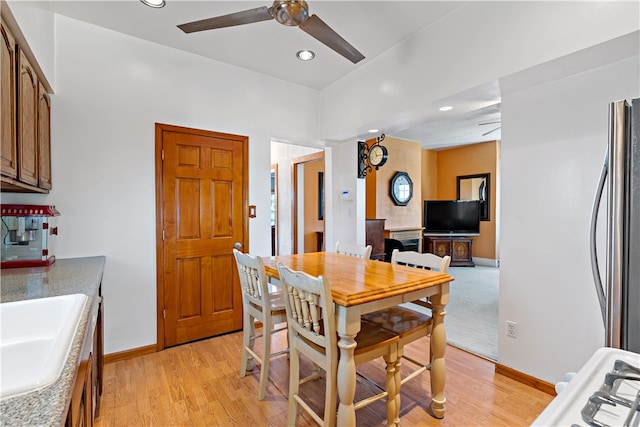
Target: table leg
{"x": 438, "y": 372}
{"x": 346, "y": 381}
{"x": 393, "y": 397}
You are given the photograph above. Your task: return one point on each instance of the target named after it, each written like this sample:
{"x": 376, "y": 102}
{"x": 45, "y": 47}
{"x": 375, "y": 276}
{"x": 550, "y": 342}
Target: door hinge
{"x": 162, "y": 154}
{"x": 164, "y": 313}
{"x": 162, "y": 234}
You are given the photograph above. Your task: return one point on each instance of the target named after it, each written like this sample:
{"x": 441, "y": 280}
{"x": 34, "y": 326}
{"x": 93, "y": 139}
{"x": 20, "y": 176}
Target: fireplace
{"x": 401, "y": 245}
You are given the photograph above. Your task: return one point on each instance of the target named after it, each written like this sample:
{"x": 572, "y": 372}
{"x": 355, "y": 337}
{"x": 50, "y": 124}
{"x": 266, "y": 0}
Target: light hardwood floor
{"x": 197, "y": 384}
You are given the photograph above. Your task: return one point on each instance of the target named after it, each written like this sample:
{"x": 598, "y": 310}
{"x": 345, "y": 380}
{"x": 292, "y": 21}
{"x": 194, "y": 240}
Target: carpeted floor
{"x": 472, "y": 312}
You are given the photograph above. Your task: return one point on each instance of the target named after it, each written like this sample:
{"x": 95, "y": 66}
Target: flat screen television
{"x": 451, "y": 216}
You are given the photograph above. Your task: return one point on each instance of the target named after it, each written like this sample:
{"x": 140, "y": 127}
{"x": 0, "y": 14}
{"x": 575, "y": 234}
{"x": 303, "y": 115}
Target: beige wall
{"x": 429, "y": 175}
{"x": 404, "y": 156}
{"x": 470, "y": 160}
{"x": 434, "y": 176}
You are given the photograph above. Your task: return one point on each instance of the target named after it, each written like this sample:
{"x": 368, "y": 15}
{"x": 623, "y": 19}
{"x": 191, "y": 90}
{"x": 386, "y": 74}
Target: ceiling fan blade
{"x": 491, "y": 131}
{"x": 239, "y": 18}
{"x": 488, "y": 123}
{"x": 316, "y": 28}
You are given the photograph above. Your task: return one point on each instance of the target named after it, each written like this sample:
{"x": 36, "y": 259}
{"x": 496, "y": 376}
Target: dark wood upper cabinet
{"x": 25, "y": 116}
{"x": 44, "y": 138}
{"x": 8, "y": 155}
{"x": 27, "y": 121}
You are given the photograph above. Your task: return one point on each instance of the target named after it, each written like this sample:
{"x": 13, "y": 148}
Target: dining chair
{"x": 359, "y": 251}
{"x": 410, "y": 324}
{"x": 258, "y": 305}
{"x": 312, "y": 332}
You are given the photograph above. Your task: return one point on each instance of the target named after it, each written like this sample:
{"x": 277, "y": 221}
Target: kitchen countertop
{"x": 47, "y": 406}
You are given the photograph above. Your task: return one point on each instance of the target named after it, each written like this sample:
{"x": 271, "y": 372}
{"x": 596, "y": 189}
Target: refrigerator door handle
{"x": 595, "y": 270}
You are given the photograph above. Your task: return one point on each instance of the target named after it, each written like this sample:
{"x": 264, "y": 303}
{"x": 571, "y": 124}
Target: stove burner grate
{"x": 611, "y": 395}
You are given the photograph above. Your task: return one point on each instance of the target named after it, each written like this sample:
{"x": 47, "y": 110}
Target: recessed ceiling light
{"x": 374, "y": 130}
{"x": 305, "y": 55}
{"x": 446, "y": 108}
{"x": 154, "y": 3}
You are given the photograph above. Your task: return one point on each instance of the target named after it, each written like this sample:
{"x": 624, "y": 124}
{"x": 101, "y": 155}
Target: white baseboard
{"x": 488, "y": 262}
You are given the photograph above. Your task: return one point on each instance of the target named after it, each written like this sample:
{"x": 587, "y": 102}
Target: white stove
{"x": 605, "y": 392}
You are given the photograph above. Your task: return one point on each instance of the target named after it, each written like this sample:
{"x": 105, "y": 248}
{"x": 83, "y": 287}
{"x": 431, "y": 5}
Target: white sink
{"x": 35, "y": 339}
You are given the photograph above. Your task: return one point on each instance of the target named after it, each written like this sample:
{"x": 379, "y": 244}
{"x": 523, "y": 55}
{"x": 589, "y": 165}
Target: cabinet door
{"x": 440, "y": 247}
{"x": 27, "y": 121}
{"x": 461, "y": 250}
{"x": 44, "y": 138}
{"x": 88, "y": 394}
{"x": 8, "y": 158}
{"x": 98, "y": 360}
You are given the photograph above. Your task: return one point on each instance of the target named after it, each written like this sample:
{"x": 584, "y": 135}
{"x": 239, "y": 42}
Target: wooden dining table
{"x": 360, "y": 286}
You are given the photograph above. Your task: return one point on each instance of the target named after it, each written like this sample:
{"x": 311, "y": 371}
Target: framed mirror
{"x": 476, "y": 187}
{"x": 401, "y": 188}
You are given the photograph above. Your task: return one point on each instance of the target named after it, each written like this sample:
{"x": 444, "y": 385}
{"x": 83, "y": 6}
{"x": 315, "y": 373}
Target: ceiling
{"x": 269, "y": 48}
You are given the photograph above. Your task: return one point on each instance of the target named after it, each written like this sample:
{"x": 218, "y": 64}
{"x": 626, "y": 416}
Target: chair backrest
{"x": 309, "y": 308}
{"x": 253, "y": 279}
{"x": 354, "y": 250}
{"x": 421, "y": 260}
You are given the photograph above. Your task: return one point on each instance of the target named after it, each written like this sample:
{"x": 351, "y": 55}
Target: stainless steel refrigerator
{"x": 619, "y": 292}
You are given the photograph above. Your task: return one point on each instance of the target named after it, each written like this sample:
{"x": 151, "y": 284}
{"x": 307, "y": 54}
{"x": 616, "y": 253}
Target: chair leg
{"x": 248, "y": 338}
{"x": 294, "y": 384}
{"x": 266, "y": 358}
{"x": 331, "y": 395}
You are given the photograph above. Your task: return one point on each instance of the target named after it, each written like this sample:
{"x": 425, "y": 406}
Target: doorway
{"x": 201, "y": 215}
{"x": 274, "y": 209}
{"x": 283, "y": 156}
{"x": 308, "y": 205}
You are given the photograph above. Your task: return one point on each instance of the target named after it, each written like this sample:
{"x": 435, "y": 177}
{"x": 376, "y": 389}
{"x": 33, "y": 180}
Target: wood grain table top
{"x": 357, "y": 281}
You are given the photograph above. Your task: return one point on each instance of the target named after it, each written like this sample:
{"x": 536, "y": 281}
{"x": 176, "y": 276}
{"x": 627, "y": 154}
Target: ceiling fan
{"x": 286, "y": 12}
{"x": 492, "y": 130}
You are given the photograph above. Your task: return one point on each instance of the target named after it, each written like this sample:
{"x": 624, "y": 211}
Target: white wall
{"x": 110, "y": 91}
{"x": 37, "y": 25}
{"x": 475, "y": 44}
{"x": 348, "y": 215}
{"x": 554, "y": 138}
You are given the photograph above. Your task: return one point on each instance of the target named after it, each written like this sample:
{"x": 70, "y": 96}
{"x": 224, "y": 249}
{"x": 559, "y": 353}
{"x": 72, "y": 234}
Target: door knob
{"x": 237, "y": 245}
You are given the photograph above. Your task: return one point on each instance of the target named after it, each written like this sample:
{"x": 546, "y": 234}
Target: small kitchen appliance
{"x": 28, "y": 233}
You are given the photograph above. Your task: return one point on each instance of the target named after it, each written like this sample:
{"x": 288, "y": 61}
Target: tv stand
{"x": 457, "y": 247}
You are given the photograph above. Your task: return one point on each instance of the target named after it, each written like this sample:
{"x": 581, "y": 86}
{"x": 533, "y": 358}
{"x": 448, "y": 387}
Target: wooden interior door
{"x": 202, "y": 207}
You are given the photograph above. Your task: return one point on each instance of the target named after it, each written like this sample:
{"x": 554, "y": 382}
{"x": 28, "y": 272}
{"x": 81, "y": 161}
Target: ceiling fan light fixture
{"x": 290, "y": 12}
{"x": 305, "y": 55}
{"x": 154, "y": 3}
{"x": 374, "y": 130}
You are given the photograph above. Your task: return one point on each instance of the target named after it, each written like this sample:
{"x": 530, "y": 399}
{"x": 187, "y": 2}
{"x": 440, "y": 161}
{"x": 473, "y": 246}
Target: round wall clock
{"x": 378, "y": 156}
{"x": 401, "y": 188}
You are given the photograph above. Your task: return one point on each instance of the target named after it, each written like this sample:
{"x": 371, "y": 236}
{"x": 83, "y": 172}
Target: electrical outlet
{"x": 512, "y": 329}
